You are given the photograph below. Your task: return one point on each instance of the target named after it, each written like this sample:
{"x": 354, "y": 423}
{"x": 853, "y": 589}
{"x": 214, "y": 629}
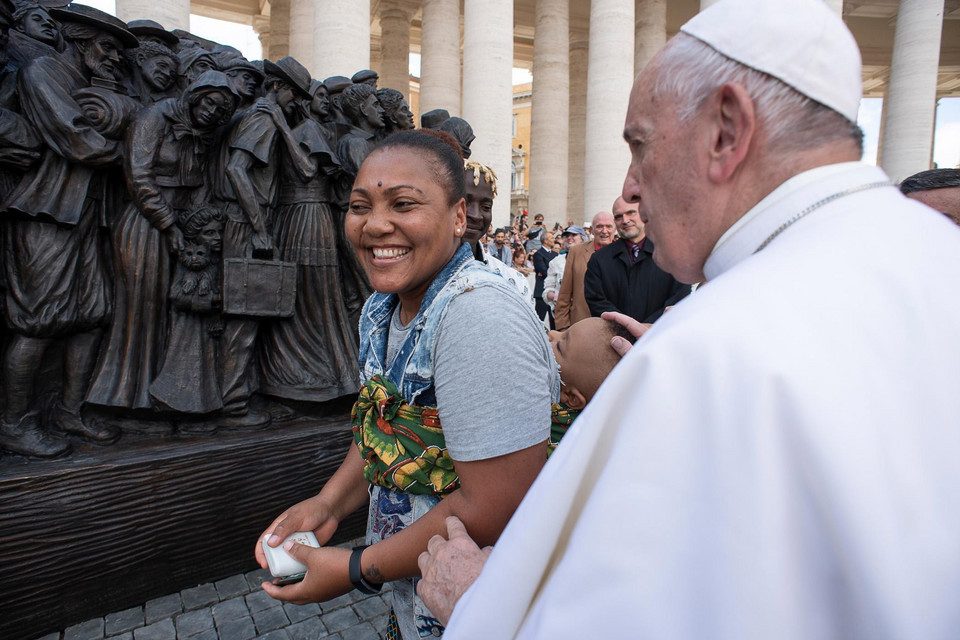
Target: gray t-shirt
{"x": 494, "y": 372}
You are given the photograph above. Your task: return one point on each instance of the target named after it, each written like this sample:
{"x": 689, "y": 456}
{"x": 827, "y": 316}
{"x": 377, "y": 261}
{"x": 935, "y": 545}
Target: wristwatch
{"x": 356, "y": 574}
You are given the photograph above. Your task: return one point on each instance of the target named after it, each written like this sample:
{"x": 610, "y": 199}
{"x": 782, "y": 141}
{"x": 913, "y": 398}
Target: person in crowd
{"x": 936, "y": 188}
{"x": 167, "y": 151}
{"x": 421, "y": 428}
{"x": 396, "y": 112}
{"x": 522, "y": 265}
{"x": 56, "y": 269}
{"x": 541, "y": 264}
{"x": 781, "y": 446}
{"x": 571, "y": 236}
{"x": 500, "y": 249}
{"x": 480, "y": 190}
{"x": 571, "y": 304}
{"x": 535, "y": 235}
{"x": 623, "y": 276}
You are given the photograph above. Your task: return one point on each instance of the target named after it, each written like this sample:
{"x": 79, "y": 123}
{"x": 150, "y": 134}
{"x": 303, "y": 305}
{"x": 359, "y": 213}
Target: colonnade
{"x": 582, "y": 78}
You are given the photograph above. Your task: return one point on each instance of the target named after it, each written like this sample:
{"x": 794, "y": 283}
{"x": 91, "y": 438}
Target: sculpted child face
{"x": 320, "y": 105}
{"x": 403, "y": 117}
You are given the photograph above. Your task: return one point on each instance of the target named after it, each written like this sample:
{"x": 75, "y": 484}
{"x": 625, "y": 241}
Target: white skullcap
{"x": 802, "y": 43}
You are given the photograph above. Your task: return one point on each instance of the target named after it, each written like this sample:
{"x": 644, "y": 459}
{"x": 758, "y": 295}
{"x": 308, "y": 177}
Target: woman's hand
{"x": 312, "y": 514}
{"x": 328, "y": 575}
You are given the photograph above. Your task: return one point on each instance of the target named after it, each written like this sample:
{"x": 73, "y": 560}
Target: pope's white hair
{"x": 691, "y": 70}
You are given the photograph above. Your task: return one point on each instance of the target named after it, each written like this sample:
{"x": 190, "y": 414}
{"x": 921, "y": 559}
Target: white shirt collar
{"x": 756, "y": 225}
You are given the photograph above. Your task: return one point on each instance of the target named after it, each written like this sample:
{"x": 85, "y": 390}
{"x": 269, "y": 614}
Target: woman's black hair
{"x": 447, "y": 161}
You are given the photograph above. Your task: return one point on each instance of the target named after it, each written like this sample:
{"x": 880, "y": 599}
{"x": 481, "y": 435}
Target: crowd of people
{"x": 772, "y": 457}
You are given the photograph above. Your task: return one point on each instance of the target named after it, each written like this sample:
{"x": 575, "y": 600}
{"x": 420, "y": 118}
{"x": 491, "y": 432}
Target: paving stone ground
{"x": 236, "y": 608}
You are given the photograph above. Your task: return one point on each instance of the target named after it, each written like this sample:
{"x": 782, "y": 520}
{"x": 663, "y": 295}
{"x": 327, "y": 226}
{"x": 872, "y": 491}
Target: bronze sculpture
{"x": 137, "y": 167}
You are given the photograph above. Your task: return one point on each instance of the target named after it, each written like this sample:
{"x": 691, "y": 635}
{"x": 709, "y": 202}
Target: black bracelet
{"x": 356, "y": 574}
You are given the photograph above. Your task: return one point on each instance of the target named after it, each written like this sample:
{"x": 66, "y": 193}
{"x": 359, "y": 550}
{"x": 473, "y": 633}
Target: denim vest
{"x": 412, "y": 370}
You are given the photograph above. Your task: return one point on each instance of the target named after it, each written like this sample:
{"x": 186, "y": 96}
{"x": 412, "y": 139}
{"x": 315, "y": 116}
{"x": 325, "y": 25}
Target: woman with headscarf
{"x": 166, "y": 149}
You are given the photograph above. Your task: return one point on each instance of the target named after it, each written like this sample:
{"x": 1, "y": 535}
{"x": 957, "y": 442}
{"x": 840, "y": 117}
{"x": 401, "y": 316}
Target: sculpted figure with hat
{"x": 57, "y": 273}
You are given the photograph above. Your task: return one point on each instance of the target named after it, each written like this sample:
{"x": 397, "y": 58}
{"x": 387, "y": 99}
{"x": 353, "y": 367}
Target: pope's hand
{"x": 636, "y": 329}
{"x": 448, "y": 568}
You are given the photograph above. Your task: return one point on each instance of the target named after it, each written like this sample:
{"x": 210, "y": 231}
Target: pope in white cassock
{"x": 779, "y": 456}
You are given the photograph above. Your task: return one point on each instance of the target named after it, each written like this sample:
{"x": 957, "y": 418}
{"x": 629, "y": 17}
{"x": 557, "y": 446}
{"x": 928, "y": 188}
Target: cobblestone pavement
{"x": 236, "y": 608}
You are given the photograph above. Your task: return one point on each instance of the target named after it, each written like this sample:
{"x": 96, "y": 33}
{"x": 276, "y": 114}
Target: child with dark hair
{"x": 585, "y": 358}
{"x": 188, "y": 382}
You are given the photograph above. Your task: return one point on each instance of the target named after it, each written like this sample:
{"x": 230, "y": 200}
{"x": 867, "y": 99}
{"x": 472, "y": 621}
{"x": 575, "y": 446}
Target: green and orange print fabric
{"x": 402, "y": 445}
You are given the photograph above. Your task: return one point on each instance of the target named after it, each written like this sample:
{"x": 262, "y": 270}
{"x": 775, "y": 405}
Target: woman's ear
{"x": 572, "y": 397}
{"x": 461, "y": 217}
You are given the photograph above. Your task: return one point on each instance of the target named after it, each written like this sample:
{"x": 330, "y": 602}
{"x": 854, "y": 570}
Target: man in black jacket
{"x": 623, "y": 276}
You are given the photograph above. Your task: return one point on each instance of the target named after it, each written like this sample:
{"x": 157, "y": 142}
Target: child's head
{"x": 585, "y": 357}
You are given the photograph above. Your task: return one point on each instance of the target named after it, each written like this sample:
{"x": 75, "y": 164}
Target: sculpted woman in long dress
{"x": 164, "y": 162}
{"x": 312, "y": 356}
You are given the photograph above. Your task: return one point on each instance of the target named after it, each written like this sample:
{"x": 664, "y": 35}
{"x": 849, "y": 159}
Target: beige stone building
{"x": 583, "y": 55}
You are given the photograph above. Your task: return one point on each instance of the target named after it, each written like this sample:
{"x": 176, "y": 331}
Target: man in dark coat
{"x": 623, "y": 276}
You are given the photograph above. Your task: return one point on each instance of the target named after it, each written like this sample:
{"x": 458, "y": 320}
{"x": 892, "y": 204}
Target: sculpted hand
{"x": 272, "y": 108}
{"x": 448, "y": 568}
{"x": 262, "y": 241}
{"x": 174, "y": 237}
{"x": 635, "y": 328}
{"x": 312, "y": 514}
{"x": 328, "y": 575}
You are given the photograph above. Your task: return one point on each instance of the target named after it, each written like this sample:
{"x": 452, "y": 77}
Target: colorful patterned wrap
{"x": 401, "y": 444}
{"x": 561, "y": 417}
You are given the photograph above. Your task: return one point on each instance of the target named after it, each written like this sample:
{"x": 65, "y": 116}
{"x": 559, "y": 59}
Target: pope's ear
{"x": 572, "y": 397}
{"x": 735, "y": 124}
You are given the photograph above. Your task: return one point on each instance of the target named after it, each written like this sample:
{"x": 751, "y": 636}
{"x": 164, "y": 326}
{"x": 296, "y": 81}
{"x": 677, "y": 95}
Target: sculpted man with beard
{"x": 57, "y": 275}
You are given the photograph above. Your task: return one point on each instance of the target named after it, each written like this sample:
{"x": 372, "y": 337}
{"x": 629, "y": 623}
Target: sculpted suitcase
{"x": 260, "y": 288}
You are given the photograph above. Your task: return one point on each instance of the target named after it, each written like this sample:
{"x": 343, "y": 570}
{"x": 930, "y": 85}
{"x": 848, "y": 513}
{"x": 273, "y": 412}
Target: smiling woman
{"x": 427, "y": 446}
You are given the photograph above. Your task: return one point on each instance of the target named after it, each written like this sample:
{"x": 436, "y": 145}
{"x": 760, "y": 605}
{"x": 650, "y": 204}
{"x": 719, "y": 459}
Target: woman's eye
{"x": 358, "y": 207}
{"x": 404, "y": 204}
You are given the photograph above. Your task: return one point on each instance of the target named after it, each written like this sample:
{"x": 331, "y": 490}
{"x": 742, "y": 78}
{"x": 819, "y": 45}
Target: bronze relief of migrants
{"x": 145, "y": 178}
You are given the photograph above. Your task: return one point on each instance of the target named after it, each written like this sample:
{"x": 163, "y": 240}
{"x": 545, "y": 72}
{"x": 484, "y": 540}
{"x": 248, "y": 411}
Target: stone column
{"x": 609, "y": 79}
{"x": 488, "y": 90}
{"x": 440, "y": 56}
{"x": 395, "y": 47}
{"x": 172, "y": 14}
{"x": 650, "y": 33}
{"x": 279, "y": 30}
{"x": 579, "y": 48}
{"x": 261, "y": 26}
{"x": 912, "y": 90}
{"x": 550, "y": 118}
{"x": 301, "y": 35}
{"x": 341, "y": 37}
